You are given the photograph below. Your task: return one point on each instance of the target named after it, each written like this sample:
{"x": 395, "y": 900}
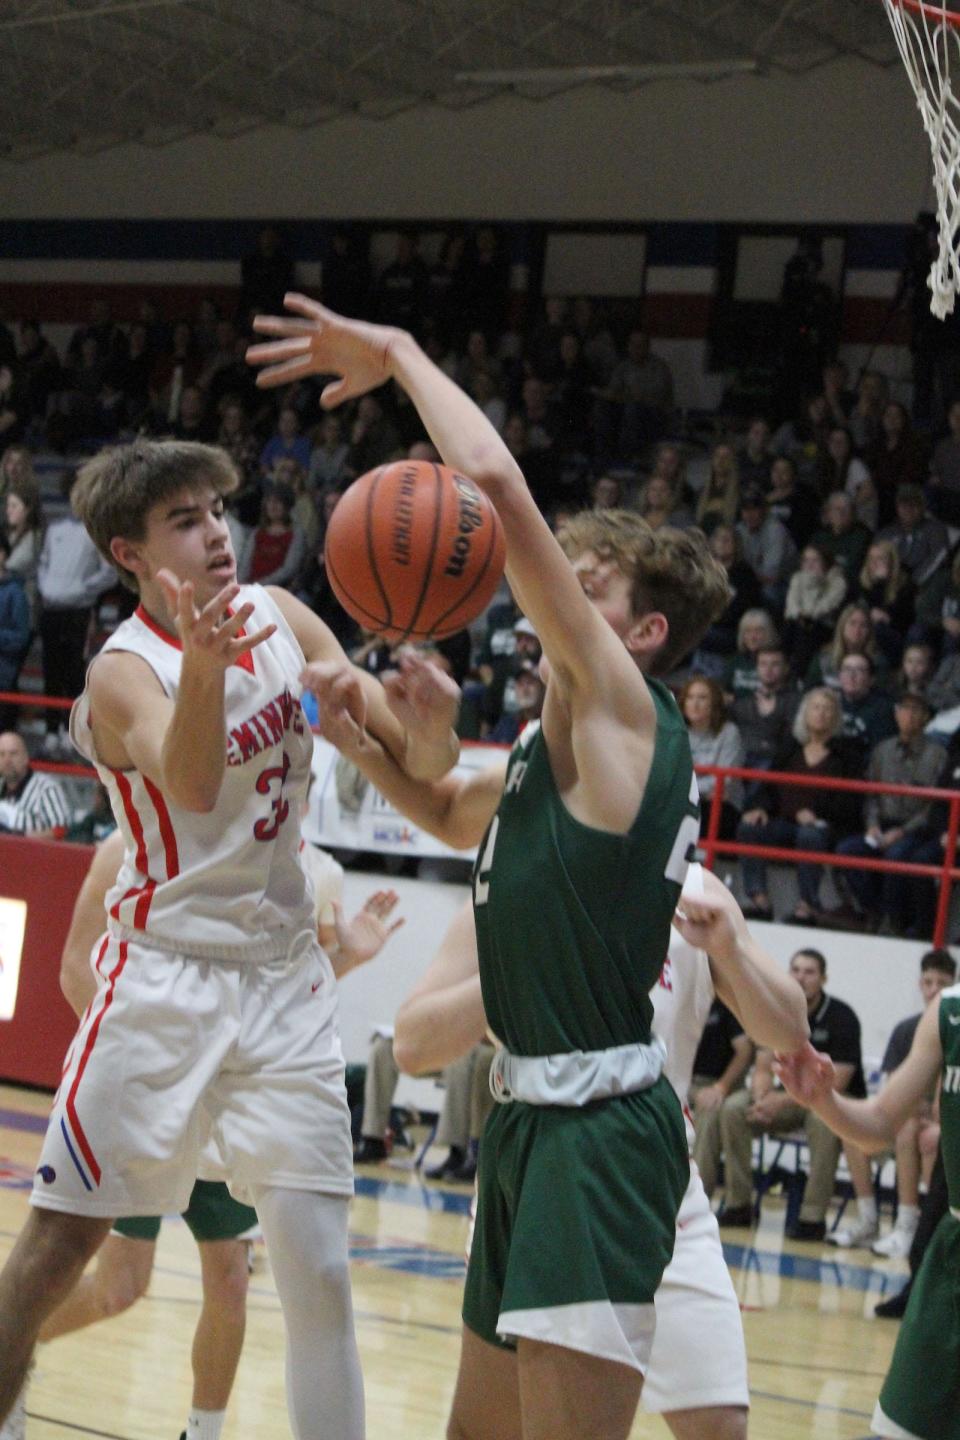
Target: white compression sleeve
{"x": 306, "y": 1237}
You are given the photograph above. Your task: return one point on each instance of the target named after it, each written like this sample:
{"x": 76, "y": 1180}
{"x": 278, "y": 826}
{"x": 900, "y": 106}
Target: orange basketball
{"x": 414, "y": 551}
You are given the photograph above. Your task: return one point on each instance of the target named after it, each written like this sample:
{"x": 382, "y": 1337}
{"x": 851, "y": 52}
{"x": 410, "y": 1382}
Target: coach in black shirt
{"x": 766, "y": 1109}
{"x": 719, "y": 1068}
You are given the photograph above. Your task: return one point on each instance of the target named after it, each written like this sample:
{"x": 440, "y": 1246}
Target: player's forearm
{"x": 77, "y": 984}
{"x": 429, "y": 757}
{"x": 865, "y": 1123}
{"x": 461, "y": 432}
{"x": 194, "y": 751}
{"x": 436, "y": 1028}
{"x": 431, "y": 804}
{"x": 768, "y": 1003}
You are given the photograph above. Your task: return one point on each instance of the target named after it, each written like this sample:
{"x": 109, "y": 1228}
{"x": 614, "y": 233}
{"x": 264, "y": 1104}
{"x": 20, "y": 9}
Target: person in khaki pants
{"x": 765, "y": 1109}
{"x": 719, "y": 1069}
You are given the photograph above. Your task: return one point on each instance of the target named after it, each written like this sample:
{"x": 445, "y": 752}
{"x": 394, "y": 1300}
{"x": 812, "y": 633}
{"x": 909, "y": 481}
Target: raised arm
{"x": 810, "y": 1078}
{"x": 766, "y": 1000}
{"x": 443, "y": 1016}
{"x": 581, "y": 647}
{"x": 88, "y": 921}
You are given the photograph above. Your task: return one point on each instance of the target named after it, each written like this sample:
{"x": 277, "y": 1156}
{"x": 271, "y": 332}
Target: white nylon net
{"x": 928, "y": 38}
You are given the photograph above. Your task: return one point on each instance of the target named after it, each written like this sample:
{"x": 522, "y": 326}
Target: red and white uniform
{"x": 230, "y": 884}
{"x": 699, "y": 1358}
{"x": 216, "y": 1010}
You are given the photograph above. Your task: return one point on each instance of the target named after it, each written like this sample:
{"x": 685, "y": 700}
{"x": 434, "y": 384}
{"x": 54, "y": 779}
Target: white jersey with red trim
{"x": 681, "y": 1002}
{"x": 230, "y": 884}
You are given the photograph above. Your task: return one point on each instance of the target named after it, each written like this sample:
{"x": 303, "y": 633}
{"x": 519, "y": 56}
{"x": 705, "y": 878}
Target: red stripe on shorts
{"x": 94, "y": 1030}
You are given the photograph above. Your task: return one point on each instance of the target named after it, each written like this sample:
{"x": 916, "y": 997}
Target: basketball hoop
{"x": 928, "y": 38}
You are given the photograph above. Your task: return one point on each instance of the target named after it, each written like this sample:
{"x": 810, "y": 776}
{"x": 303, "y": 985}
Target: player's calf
{"x": 43, "y": 1267}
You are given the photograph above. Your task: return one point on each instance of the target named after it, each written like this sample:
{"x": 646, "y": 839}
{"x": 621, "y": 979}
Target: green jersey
{"x": 950, "y": 1091}
{"x": 573, "y": 923}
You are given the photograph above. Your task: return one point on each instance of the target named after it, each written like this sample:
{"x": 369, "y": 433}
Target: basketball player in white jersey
{"x": 220, "y": 1224}
{"x": 697, "y": 1373}
{"x": 215, "y": 1013}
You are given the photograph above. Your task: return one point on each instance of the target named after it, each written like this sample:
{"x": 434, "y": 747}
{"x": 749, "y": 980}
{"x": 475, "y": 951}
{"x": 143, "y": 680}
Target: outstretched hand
{"x": 424, "y": 699}
{"x": 211, "y": 635}
{"x": 362, "y": 938}
{"x": 808, "y": 1075}
{"x": 320, "y": 342}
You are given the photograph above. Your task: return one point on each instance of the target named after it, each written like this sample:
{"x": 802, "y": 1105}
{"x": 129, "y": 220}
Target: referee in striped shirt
{"x": 30, "y": 803}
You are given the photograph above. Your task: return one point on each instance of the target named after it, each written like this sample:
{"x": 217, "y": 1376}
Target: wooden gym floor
{"x": 817, "y": 1355}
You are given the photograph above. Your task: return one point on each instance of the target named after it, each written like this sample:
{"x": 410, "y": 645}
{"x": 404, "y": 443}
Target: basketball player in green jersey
{"x": 584, "y": 843}
{"x": 920, "y": 1399}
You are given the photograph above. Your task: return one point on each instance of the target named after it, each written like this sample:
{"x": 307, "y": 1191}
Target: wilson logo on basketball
{"x": 403, "y": 517}
{"x": 470, "y": 518}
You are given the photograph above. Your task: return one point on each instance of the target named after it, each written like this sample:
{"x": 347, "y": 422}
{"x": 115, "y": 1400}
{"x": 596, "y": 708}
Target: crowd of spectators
{"x": 838, "y": 656}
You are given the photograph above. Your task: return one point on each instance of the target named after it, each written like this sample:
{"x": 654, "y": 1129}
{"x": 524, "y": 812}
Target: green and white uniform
{"x": 920, "y": 1399}
{"x": 578, "y": 1201}
{"x": 212, "y": 1214}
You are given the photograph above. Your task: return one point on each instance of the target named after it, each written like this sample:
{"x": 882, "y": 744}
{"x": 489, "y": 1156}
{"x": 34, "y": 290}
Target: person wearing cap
{"x": 897, "y": 826}
{"x": 767, "y": 547}
{"x": 921, "y": 542}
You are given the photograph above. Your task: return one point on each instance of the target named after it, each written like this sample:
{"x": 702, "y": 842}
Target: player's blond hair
{"x": 670, "y": 571}
{"x": 114, "y": 491}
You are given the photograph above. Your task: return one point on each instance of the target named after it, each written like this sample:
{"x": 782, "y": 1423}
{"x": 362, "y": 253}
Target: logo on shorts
{"x": 47, "y": 1174}
{"x": 315, "y": 988}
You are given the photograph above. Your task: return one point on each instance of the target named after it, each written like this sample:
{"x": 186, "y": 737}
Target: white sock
{"x": 205, "y": 1424}
{"x": 867, "y": 1209}
{"x": 908, "y": 1217}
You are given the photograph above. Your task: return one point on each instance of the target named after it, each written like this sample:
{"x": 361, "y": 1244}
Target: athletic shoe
{"x": 859, "y": 1233}
{"x": 895, "y": 1307}
{"x": 447, "y": 1168}
{"x": 741, "y": 1215}
{"x": 896, "y": 1245}
{"x": 370, "y": 1151}
{"x": 815, "y": 1230}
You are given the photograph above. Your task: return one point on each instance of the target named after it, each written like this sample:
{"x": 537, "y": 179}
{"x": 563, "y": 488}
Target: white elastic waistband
{"x": 288, "y": 945}
{"x": 578, "y": 1076}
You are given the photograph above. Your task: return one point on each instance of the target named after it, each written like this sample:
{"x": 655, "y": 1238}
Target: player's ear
{"x": 127, "y": 554}
{"x": 647, "y": 634}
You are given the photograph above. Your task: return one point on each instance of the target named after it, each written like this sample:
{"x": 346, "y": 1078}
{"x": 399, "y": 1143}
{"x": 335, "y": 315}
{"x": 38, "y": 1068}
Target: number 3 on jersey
{"x": 267, "y": 828}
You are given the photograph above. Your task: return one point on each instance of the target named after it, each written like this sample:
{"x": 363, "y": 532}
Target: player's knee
{"x": 121, "y": 1291}
{"x": 226, "y": 1283}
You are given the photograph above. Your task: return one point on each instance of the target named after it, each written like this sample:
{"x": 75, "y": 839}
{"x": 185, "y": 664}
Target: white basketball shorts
{"x": 174, "y": 1051}
{"x": 699, "y": 1358}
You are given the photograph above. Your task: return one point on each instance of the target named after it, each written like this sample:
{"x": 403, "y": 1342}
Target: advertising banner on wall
{"x": 346, "y": 812}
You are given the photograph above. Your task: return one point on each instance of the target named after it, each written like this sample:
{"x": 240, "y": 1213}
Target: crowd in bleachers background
{"x": 832, "y": 509}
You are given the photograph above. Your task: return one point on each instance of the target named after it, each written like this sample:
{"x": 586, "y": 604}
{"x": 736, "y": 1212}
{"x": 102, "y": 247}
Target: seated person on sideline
{"x": 719, "y": 1068}
{"x": 938, "y": 970}
{"x": 466, "y": 1104}
{"x": 896, "y": 826}
{"x": 30, "y": 803}
{"x": 765, "y": 1109}
{"x": 755, "y": 632}
{"x": 798, "y": 816}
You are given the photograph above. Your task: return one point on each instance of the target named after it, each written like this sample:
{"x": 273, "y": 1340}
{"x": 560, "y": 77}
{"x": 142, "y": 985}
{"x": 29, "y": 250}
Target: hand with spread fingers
{"x": 211, "y": 636}
{"x": 423, "y": 697}
{"x": 808, "y": 1075}
{"x": 362, "y": 938}
{"x": 312, "y": 340}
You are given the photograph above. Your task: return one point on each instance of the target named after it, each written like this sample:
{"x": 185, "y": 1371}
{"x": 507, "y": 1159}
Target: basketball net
{"x": 928, "y": 39}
